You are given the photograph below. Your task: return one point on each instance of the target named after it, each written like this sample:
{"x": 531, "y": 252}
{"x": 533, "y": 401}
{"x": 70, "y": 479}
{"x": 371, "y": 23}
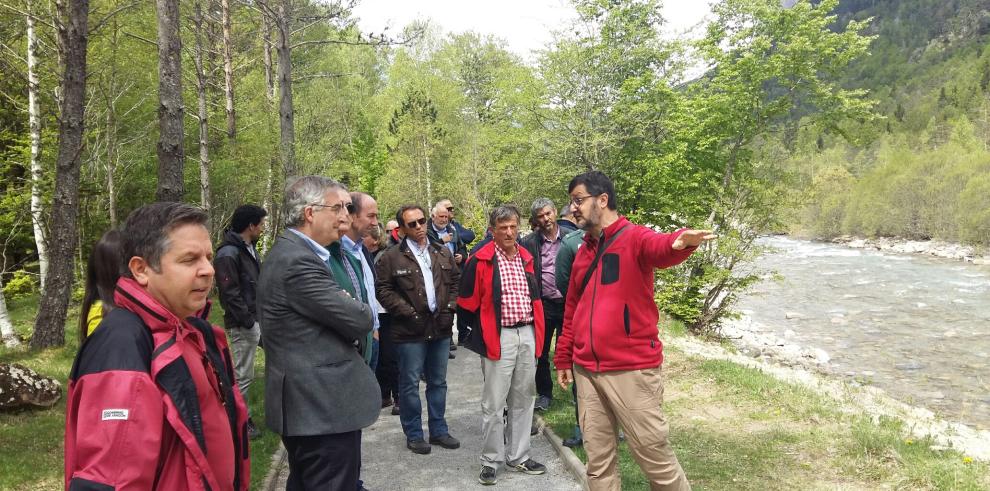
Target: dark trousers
{"x": 323, "y": 462}
{"x": 462, "y": 329}
{"x": 387, "y": 371}
{"x": 553, "y": 317}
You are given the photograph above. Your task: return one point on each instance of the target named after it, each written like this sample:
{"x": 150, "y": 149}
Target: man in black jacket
{"x": 543, "y": 245}
{"x": 237, "y": 268}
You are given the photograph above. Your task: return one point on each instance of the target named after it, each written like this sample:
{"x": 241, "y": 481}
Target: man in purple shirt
{"x": 543, "y": 245}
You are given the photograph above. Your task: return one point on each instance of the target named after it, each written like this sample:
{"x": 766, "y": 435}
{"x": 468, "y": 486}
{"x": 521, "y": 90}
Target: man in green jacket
{"x": 562, "y": 277}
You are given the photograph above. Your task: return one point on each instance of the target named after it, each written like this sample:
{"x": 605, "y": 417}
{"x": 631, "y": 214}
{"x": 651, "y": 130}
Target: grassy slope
{"x": 31, "y": 441}
{"x": 737, "y": 428}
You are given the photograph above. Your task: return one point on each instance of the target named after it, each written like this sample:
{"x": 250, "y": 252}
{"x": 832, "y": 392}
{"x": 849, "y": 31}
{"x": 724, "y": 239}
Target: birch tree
{"x": 202, "y": 114}
{"x": 34, "y": 123}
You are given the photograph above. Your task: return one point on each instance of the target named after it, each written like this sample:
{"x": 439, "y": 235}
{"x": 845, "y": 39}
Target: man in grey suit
{"x": 319, "y": 393}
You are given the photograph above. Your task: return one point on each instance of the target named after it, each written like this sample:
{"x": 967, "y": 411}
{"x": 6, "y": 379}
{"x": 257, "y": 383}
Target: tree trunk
{"x": 49, "y": 327}
{"x": 7, "y": 334}
{"x": 171, "y": 155}
{"x": 228, "y": 70}
{"x": 429, "y": 175}
{"x": 203, "y": 115}
{"x": 269, "y": 69}
{"x": 34, "y": 122}
{"x": 285, "y": 111}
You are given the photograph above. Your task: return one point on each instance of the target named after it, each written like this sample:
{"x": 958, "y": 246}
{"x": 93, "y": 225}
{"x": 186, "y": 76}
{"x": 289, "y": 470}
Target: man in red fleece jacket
{"x": 610, "y": 333}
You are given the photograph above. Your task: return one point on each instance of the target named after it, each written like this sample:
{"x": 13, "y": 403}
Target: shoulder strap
{"x": 601, "y": 252}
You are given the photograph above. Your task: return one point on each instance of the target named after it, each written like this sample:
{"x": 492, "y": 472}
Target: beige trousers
{"x": 632, "y": 399}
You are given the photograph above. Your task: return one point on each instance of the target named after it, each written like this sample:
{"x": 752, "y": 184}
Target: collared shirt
{"x": 517, "y": 306}
{"x": 354, "y": 249}
{"x": 426, "y": 267}
{"x": 442, "y": 233}
{"x": 548, "y": 256}
{"x": 317, "y": 248}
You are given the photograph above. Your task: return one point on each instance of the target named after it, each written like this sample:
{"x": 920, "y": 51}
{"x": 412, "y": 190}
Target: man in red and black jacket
{"x": 500, "y": 300}
{"x": 152, "y": 400}
{"x": 610, "y": 333}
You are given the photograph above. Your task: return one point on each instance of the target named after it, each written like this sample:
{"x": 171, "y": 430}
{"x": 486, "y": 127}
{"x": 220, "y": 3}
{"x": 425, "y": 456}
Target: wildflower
{"x": 967, "y": 460}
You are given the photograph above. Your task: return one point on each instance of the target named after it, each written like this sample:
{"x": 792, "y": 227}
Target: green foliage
{"x": 21, "y": 285}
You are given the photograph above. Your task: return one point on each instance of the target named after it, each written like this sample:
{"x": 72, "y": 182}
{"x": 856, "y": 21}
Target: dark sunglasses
{"x": 416, "y": 223}
{"x": 451, "y": 209}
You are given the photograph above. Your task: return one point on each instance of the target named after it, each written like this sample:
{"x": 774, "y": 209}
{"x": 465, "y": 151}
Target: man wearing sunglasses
{"x": 610, "y": 345}
{"x": 417, "y": 284}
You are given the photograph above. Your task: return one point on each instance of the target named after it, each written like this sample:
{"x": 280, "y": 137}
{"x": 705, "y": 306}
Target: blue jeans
{"x": 374, "y": 355}
{"x": 429, "y": 358}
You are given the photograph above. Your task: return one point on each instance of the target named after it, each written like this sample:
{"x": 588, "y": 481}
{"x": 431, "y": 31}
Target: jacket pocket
{"x": 625, "y": 318}
{"x": 610, "y": 268}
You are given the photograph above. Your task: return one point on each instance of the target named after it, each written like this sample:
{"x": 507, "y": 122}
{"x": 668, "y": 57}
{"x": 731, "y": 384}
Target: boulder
{"x": 20, "y": 387}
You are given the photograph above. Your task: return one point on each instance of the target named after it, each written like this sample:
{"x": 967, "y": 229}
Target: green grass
{"x": 31, "y": 453}
{"x": 735, "y": 427}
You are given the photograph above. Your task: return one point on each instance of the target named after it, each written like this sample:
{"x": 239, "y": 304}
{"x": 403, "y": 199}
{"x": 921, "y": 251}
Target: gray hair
{"x": 305, "y": 191}
{"x": 502, "y": 213}
{"x": 539, "y": 204}
{"x": 437, "y": 206}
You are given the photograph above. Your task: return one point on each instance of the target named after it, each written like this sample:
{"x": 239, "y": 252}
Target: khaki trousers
{"x": 510, "y": 382}
{"x": 632, "y": 399}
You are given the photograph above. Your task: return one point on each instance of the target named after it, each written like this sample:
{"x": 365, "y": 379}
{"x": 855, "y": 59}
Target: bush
{"x": 22, "y": 284}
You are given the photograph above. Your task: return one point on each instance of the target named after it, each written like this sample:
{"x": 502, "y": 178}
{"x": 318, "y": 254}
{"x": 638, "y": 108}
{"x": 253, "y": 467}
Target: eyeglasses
{"x": 577, "y": 200}
{"x": 450, "y": 209}
{"x": 416, "y": 223}
{"x": 337, "y": 207}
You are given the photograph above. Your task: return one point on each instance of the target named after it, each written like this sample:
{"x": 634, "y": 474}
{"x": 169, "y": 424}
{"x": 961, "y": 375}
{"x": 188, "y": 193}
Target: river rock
{"x": 20, "y": 386}
{"x": 909, "y": 365}
{"x": 793, "y": 315}
{"x": 818, "y": 355}
{"x": 789, "y": 333}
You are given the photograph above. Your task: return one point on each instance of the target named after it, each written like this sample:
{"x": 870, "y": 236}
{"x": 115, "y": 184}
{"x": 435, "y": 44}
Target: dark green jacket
{"x": 337, "y": 256}
{"x": 565, "y": 259}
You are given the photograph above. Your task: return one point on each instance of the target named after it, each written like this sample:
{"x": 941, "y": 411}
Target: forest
{"x": 817, "y": 118}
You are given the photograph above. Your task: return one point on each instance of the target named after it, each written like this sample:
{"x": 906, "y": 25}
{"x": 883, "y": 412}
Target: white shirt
{"x": 426, "y": 267}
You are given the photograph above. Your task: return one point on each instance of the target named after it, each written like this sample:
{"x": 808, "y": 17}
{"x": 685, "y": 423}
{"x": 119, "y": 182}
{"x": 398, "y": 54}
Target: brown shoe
{"x": 386, "y": 402}
{"x": 395, "y": 410}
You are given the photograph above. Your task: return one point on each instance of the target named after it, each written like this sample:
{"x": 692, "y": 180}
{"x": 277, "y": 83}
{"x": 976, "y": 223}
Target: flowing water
{"x": 918, "y": 327}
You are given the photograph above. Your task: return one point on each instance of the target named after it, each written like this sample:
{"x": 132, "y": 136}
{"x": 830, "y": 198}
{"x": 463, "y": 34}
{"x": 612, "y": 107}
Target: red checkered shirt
{"x": 517, "y": 306}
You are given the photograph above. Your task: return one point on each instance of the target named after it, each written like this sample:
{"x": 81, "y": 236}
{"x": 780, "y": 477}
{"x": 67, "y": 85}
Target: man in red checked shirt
{"x": 610, "y": 344}
{"x": 498, "y": 298}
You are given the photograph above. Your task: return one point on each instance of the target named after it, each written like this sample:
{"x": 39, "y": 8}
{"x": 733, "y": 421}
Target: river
{"x": 915, "y": 326}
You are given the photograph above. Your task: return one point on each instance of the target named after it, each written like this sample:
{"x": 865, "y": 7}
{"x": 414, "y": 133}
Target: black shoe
{"x": 542, "y": 403}
{"x": 534, "y": 430}
{"x": 419, "y": 446}
{"x": 445, "y": 441}
{"x": 487, "y": 476}
{"x": 253, "y": 432}
{"x": 451, "y": 355}
{"x": 395, "y": 410}
{"x": 531, "y": 467}
{"x": 573, "y": 442}
{"x": 453, "y": 347}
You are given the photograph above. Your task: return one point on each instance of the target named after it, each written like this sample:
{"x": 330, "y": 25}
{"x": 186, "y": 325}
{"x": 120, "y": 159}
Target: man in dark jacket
{"x": 443, "y": 233}
{"x": 417, "y": 284}
{"x": 151, "y": 401}
{"x": 319, "y": 392}
{"x": 237, "y": 267}
{"x": 543, "y": 244}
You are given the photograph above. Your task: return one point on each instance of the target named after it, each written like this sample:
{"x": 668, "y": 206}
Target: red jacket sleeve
{"x": 114, "y": 427}
{"x": 656, "y": 250}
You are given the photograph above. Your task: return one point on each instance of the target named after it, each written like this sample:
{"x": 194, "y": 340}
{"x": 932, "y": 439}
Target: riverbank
{"x": 934, "y": 248}
{"x": 737, "y": 423}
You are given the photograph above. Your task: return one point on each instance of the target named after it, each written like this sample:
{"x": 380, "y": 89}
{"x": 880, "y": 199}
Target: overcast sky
{"x": 525, "y": 25}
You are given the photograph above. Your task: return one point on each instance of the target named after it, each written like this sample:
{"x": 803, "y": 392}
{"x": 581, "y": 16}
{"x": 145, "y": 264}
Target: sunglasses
{"x": 416, "y": 223}
{"x": 451, "y": 209}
